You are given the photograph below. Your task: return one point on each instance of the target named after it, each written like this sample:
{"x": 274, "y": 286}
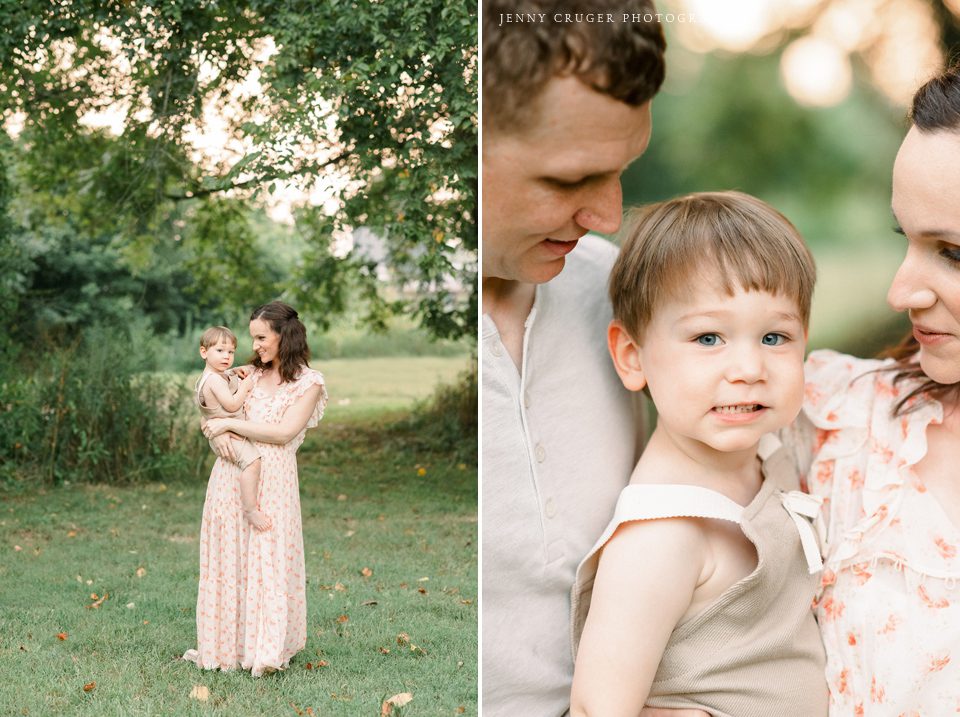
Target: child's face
{"x": 723, "y": 370}
{"x": 219, "y": 357}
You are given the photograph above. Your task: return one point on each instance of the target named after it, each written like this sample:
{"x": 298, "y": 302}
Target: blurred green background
{"x": 802, "y": 103}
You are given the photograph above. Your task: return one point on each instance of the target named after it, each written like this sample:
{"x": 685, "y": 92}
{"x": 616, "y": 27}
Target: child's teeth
{"x": 737, "y": 409}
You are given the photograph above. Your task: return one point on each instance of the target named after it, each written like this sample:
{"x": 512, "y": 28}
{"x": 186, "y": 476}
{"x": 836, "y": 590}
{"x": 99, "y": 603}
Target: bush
{"x": 447, "y": 421}
{"x": 93, "y": 412}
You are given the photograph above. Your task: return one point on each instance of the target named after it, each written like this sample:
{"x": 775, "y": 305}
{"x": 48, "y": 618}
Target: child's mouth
{"x": 739, "y": 408}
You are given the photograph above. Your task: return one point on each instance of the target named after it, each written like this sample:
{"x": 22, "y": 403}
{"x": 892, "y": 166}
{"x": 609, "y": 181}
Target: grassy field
{"x": 391, "y": 546}
{"x": 361, "y": 388}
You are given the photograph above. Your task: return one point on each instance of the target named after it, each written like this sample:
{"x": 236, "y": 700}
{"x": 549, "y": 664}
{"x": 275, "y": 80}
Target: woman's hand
{"x": 223, "y": 446}
{"x": 216, "y": 426}
{"x": 243, "y": 371}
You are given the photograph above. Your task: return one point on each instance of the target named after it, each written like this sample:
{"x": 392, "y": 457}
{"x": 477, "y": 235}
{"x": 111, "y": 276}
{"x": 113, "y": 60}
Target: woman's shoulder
{"x": 840, "y": 387}
{"x": 308, "y": 377}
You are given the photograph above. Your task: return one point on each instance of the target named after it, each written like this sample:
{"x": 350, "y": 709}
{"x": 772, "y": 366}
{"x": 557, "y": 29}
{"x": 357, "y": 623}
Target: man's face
{"x": 547, "y": 185}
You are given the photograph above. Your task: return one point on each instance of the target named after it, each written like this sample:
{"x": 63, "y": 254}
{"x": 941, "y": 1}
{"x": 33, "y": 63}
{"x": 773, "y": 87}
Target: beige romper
{"x": 756, "y": 650}
{"x": 247, "y": 453}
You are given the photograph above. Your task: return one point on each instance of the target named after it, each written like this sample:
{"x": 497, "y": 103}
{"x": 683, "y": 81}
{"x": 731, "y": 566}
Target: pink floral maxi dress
{"x": 251, "y": 603}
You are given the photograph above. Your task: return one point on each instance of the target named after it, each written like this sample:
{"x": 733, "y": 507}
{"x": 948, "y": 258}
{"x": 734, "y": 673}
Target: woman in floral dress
{"x": 884, "y": 446}
{"x": 251, "y": 606}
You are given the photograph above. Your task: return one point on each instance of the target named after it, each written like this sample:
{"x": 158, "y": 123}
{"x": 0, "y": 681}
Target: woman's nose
{"x": 910, "y": 289}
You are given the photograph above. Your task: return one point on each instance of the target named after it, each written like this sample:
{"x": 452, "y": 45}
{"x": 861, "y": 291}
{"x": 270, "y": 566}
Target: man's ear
{"x": 626, "y": 355}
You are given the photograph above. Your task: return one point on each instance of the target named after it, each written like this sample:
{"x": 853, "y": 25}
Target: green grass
{"x": 373, "y": 497}
{"x": 360, "y": 388}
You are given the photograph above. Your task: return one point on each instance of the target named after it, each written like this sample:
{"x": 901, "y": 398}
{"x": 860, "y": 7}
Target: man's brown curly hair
{"x": 622, "y": 59}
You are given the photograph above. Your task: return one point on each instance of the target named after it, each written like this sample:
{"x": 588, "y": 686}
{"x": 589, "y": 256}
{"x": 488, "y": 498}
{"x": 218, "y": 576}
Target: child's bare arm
{"x": 220, "y": 390}
{"x": 645, "y": 583}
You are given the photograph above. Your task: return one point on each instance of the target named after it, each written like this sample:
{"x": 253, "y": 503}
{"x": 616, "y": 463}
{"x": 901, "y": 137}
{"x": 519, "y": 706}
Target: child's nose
{"x": 746, "y": 365}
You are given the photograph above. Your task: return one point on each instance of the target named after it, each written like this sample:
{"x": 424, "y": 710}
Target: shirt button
{"x": 540, "y": 452}
{"x": 526, "y": 399}
{"x": 551, "y": 508}
{"x": 496, "y": 349}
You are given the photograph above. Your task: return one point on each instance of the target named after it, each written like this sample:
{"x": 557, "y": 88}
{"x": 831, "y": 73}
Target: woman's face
{"x": 926, "y": 204}
{"x": 266, "y": 341}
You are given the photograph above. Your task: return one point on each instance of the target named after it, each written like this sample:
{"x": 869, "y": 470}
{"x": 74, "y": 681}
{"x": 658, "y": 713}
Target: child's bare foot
{"x": 258, "y": 519}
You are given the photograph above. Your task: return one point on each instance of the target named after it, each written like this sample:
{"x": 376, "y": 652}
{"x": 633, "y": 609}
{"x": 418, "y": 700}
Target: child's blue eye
{"x": 708, "y": 340}
{"x": 773, "y": 339}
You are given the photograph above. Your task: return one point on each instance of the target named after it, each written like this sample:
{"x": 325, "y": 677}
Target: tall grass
{"x": 447, "y": 420}
{"x": 343, "y": 341}
{"x": 92, "y": 411}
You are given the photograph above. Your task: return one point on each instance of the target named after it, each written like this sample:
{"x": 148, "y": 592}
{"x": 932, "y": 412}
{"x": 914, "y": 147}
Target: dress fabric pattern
{"x": 888, "y": 608}
{"x": 251, "y": 603}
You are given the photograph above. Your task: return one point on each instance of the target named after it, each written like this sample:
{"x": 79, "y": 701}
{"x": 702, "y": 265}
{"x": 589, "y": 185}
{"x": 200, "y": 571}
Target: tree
{"x": 375, "y": 98}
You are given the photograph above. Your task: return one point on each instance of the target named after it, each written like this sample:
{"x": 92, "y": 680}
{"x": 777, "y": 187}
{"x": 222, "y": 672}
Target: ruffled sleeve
{"x": 862, "y": 455}
{"x": 294, "y": 390}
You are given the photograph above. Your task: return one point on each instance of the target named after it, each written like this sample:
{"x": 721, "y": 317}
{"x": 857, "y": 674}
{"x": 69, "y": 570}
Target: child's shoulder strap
{"x": 652, "y": 501}
{"x": 200, "y": 384}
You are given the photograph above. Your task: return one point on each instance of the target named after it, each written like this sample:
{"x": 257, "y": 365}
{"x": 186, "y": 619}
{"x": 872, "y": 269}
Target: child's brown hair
{"x": 216, "y": 334}
{"x": 728, "y": 238}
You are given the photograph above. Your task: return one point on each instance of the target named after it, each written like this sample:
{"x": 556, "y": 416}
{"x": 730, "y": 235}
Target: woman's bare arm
{"x": 294, "y": 420}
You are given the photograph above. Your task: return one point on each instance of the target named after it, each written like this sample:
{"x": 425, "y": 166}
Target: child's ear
{"x": 203, "y": 352}
{"x": 626, "y": 357}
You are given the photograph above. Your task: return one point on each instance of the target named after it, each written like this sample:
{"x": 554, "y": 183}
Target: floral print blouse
{"x": 888, "y": 607}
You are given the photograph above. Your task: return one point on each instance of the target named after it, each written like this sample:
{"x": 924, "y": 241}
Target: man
{"x": 566, "y": 107}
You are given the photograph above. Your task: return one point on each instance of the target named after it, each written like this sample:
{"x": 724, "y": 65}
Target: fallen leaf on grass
{"x": 71, "y": 534}
{"x": 422, "y": 590}
{"x": 343, "y": 618}
{"x": 460, "y": 710}
{"x": 403, "y": 640}
{"x": 141, "y": 571}
{"x": 421, "y": 472}
{"x": 396, "y": 701}
{"x": 130, "y": 606}
{"x": 97, "y": 602}
{"x": 383, "y": 650}
{"x": 366, "y": 572}
{"x": 17, "y": 548}
{"x": 367, "y": 603}
{"x": 61, "y": 636}
{"x": 317, "y": 665}
{"x": 342, "y": 497}
{"x": 201, "y": 693}
{"x": 340, "y": 587}
{"x": 90, "y": 687}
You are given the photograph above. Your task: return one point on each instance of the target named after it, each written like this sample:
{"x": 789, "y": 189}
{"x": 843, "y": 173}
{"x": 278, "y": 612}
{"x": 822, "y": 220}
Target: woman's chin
{"x": 945, "y": 370}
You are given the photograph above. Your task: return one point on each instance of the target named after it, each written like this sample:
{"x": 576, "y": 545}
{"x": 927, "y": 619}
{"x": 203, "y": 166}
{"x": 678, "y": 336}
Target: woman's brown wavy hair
{"x": 293, "y": 353}
{"x": 935, "y": 108}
